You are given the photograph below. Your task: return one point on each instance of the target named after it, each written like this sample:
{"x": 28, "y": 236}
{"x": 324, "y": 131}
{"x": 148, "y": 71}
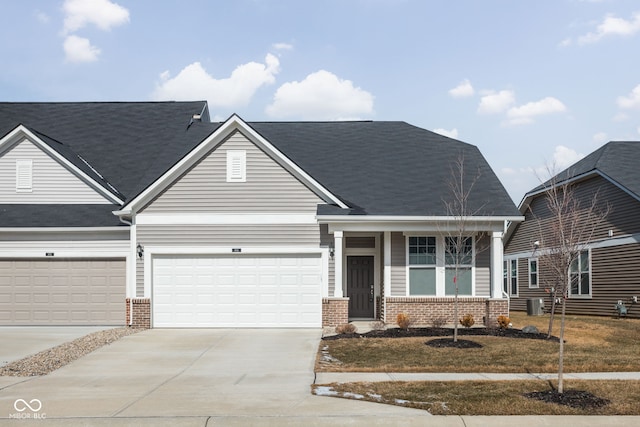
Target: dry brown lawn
{"x": 493, "y": 398}
{"x": 593, "y": 344}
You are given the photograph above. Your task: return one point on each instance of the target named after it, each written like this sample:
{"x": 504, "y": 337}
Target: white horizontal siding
{"x": 204, "y": 188}
{"x": 52, "y": 182}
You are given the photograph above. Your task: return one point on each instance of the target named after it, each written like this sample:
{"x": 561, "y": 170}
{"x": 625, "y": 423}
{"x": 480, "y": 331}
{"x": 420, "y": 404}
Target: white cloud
{"x": 563, "y": 157}
{"x": 620, "y": 117}
{"x": 101, "y": 13}
{"x": 464, "y": 89}
{"x": 282, "y": 46}
{"x": 611, "y": 25}
{"x": 321, "y": 96}
{"x": 566, "y": 42}
{"x": 453, "y": 133}
{"x": 493, "y": 102}
{"x": 630, "y": 101}
{"x": 600, "y": 138}
{"x": 79, "y": 49}
{"x": 193, "y": 82}
{"x": 525, "y": 114}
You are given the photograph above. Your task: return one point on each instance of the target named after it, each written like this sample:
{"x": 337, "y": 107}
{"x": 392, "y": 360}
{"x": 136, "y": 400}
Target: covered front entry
{"x": 360, "y": 286}
{"x": 282, "y": 290}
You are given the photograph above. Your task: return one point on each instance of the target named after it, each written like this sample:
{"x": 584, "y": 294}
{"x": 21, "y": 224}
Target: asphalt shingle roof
{"x": 377, "y": 168}
{"x": 618, "y": 160}
{"x": 387, "y": 168}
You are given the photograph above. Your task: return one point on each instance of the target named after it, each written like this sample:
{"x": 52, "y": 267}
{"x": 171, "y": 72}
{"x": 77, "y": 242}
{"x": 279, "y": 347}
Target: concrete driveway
{"x": 190, "y": 373}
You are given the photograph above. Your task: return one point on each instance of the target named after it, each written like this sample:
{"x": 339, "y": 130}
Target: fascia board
{"x": 216, "y": 137}
{"x": 401, "y": 219}
{"x": 22, "y": 131}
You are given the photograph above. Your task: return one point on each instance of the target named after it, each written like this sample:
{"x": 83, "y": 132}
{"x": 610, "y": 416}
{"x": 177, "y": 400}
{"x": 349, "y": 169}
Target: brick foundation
{"x": 423, "y": 310}
{"x": 335, "y": 311}
{"x": 140, "y": 309}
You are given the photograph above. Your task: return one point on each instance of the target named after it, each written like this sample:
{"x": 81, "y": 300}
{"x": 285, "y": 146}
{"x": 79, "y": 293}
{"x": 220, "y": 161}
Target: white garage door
{"x": 237, "y": 291}
{"x": 62, "y": 292}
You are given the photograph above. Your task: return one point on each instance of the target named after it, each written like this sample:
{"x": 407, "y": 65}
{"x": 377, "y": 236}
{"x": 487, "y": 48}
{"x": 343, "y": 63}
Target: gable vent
{"x": 236, "y": 166}
{"x": 24, "y": 176}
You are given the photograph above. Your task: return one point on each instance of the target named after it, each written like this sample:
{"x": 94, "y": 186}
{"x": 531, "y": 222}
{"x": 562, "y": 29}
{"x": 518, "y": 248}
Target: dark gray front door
{"x": 360, "y": 286}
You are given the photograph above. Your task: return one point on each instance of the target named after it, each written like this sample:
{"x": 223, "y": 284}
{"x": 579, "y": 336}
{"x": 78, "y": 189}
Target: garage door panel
{"x": 238, "y": 291}
{"x": 62, "y": 292}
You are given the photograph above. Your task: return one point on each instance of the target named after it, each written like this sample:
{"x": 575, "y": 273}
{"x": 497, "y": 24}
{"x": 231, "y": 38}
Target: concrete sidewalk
{"x": 350, "y": 377}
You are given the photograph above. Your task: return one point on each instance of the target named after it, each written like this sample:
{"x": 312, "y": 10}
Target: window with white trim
{"x": 422, "y": 265}
{"x": 533, "y": 273}
{"x": 510, "y": 277}
{"x": 236, "y": 166}
{"x": 579, "y": 275}
{"x": 458, "y": 262}
{"x": 24, "y": 175}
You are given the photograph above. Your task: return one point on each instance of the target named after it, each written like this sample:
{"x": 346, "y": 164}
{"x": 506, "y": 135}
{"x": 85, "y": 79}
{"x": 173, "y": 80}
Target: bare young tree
{"x": 565, "y": 231}
{"x": 459, "y": 233}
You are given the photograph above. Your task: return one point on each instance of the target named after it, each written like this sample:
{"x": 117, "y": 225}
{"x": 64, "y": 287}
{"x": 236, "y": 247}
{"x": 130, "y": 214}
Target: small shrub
{"x": 377, "y": 325}
{"x": 467, "y": 320}
{"x": 346, "y": 328}
{"x": 503, "y": 322}
{"x": 438, "y": 322}
{"x": 404, "y": 321}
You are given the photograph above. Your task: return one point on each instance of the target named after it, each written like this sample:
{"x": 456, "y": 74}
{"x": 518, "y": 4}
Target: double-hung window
{"x": 422, "y": 265}
{"x": 510, "y": 277}
{"x": 458, "y": 265}
{"x": 533, "y": 273}
{"x": 579, "y": 275}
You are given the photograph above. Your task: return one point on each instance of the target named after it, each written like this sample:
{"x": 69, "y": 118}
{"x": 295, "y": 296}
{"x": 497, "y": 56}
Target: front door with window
{"x": 360, "y": 290}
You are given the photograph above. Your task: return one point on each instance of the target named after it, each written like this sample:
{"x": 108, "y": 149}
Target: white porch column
{"x": 338, "y": 242}
{"x": 387, "y": 263}
{"x": 496, "y": 264}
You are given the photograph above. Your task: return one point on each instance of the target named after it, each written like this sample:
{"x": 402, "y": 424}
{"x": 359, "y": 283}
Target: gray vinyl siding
{"x": 483, "y": 267}
{"x": 623, "y": 218}
{"x": 268, "y": 187}
{"x": 51, "y": 183}
{"x": 226, "y": 236}
{"x": 615, "y": 275}
{"x": 398, "y": 265}
{"x": 615, "y": 270}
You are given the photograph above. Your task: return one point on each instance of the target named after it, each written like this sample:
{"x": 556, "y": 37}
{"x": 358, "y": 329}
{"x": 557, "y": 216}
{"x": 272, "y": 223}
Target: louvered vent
{"x": 24, "y": 176}
{"x": 236, "y": 166}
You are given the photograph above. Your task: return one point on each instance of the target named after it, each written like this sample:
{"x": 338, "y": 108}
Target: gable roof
{"x": 616, "y": 161}
{"x": 121, "y": 141}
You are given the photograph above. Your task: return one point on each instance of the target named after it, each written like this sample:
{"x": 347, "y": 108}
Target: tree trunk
{"x": 553, "y": 312}
{"x": 455, "y": 313}
{"x": 561, "y": 351}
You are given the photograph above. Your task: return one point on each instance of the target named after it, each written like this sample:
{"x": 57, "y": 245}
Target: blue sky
{"x": 531, "y": 83}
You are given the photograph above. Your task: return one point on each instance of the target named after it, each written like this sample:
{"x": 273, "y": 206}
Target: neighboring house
{"x": 608, "y": 270}
{"x": 189, "y": 223}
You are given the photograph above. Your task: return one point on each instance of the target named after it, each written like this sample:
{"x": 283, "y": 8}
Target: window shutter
{"x": 236, "y": 166}
{"x": 24, "y": 175}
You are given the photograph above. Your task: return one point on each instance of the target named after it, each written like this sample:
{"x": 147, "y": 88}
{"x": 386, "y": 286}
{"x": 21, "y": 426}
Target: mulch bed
{"x": 442, "y": 332}
{"x": 578, "y": 399}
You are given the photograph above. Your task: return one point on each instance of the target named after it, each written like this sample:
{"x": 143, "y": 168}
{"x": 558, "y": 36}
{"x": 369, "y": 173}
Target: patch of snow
{"x": 375, "y": 396}
{"x": 401, "y": 401}
{"x": 353, "y": 395}
{"x": 324, "y": 391}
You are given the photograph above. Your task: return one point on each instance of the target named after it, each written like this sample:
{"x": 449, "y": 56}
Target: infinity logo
{"x": 21, "y": 405}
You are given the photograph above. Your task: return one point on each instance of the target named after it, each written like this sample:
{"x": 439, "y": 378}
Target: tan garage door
{"x": 62, "y": 292}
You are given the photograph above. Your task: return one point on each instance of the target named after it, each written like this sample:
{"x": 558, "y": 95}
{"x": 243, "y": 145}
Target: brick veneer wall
{"x": 140, "y": 308}
{"x": 422, "y": 310}
{"x": 335, "y": 311}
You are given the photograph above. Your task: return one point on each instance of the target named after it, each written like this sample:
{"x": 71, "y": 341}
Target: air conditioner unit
{"x": 535, "y": 307}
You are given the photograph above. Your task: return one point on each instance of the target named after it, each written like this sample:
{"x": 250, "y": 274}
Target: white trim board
{"x": 224, "y": 219}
